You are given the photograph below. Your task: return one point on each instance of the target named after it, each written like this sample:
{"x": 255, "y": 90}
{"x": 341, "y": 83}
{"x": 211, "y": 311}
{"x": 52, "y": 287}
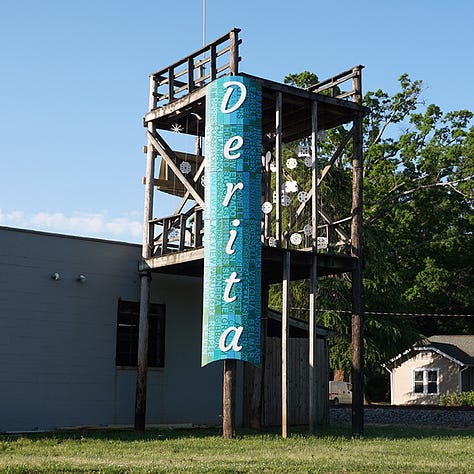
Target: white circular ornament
{"x": 273, "y": 167}
{"x": 203, "y": 181}
{"x": 291, "y": 163}
{"x": 296, "y": 238}
{"x": 302, "y": 196}
{"x": 308, "y": 230}
{"x": 285, "y": 200}
{"x": 267, "y": 207}
{"x": 308, "y": 161}
{"x": 272, "y": 242}
{"x": 322, "y": 243}
{"x": 173, "y": 233}
{"x": 291, "y": 186}
{"x": 185, "y": 167}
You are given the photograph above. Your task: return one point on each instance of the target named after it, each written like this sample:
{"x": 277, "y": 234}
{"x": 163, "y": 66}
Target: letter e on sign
{"x": 229, "y": 146}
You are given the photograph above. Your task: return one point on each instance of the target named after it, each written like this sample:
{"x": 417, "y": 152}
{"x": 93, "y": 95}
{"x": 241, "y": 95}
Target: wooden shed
{"x": 269, "y": 382}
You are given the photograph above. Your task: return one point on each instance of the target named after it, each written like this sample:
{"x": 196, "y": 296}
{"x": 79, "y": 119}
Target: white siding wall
{"x": 402, "y": 378}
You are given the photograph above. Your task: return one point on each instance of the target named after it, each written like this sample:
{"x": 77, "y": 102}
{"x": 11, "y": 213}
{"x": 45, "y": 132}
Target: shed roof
{"x": 457, "y": 348}
{"x": 464, "y": 342}
{"x": 297, "y": 327}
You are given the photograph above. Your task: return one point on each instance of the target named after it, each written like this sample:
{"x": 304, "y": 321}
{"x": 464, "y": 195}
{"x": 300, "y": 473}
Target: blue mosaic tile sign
{"x": 232, "y": 245}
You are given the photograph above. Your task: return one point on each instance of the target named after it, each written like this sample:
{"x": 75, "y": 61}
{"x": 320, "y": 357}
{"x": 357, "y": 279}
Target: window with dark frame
{"x": 126, "y": 354}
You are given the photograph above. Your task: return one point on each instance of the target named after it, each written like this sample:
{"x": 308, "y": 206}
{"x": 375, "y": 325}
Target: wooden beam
{"x": 142, "y": 358}
{"x": 212, "y": 63}
{"x": 278, "y": 158}
{"x": 177, "y": 106}
{"x": 336, "y": 155}
{"x": 284, "y": 342}
{"x": 325, "y": 171}
{"x": 185, "y": 198}
{"x": 176, "y": 258}
{"x": 145, "y": 280}
{"x": 168, "y": 154}
{"x": 306, "y": 94}
{"x": 234, "y": 52}
{"x": 313, "y": 362}
{"x": 337, "y": 228}
{"x": 200, "y": 51}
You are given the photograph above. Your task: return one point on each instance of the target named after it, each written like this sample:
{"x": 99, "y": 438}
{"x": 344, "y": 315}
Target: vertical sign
{"x": 232, "y": 243}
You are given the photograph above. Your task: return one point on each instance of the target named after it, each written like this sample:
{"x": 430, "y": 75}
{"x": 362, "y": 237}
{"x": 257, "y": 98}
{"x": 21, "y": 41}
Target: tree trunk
{"x": 340, "y": 375}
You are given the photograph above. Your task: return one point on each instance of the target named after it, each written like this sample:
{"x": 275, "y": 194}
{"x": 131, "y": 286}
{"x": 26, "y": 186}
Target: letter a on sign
{"x": 232, "y": 245}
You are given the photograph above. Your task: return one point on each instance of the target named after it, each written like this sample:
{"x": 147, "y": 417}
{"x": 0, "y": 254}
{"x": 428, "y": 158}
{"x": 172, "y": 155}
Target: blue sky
{"x": 74, "y": 85}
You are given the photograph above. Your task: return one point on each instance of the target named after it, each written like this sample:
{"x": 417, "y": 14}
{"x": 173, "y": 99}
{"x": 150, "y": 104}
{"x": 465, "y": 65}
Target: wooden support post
{"x": 170, "y": 84}
{"x": 284, "y": 343}
{"x": 145, "y": 277}
{"x": 228, "y": 396}
{"x": 234, "y": 51}
{"x": 278, "y": 157}
{"x": 357, "y": 84}
{"x": 197, "y": 228}
{"x": 313, "y": 362}
{"x": 142, "y": 362}
{"x": 357, "y": 285}
{"x": 256, "y": 401}
{"x": 212, "y": 63}
{"x": 191, "y": 84}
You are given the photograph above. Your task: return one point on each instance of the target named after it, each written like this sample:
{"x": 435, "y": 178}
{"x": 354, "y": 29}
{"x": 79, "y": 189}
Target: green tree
{"x": 418, "y": 223}
{"x": 419, "y": 169}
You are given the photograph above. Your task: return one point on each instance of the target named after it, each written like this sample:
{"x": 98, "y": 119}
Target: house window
{"x": 127, "y": 334}
{"x": 425, "y": 381}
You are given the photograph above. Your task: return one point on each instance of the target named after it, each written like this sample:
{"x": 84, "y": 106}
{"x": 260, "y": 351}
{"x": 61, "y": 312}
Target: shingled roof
{"x": 460, "y": 348}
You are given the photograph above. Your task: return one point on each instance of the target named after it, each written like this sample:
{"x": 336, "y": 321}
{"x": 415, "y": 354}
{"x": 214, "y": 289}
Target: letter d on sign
{"x": 243, "y": 94}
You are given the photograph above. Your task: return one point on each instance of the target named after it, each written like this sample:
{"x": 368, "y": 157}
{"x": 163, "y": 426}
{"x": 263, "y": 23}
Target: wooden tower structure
{"x": 309, "y": 244}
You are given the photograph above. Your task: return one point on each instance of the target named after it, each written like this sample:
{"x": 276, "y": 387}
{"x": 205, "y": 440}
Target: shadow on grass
{"x": 340, "y": 431}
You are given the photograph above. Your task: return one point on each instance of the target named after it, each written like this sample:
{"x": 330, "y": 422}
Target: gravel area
{"x": 408, "y": 416}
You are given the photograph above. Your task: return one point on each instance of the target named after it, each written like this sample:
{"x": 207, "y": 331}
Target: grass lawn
{"x": 381, "y": 450}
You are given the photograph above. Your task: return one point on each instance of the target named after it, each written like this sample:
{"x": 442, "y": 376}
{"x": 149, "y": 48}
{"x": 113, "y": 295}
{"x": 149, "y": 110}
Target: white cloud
{"x": 126, "y": 227}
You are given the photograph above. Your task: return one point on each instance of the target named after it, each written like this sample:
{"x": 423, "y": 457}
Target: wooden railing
{"x": 179, "y": 232}
{"x": 219, "y": 58}
{"x": 332, "y": 85}
{"x": 182, "y": 232}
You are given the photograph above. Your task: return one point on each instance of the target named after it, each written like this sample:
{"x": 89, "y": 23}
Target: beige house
{"x": 423, "y": 373}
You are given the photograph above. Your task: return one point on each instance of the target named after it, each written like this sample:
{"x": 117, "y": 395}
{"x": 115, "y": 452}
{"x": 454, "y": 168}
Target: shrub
{"x": 457, "y": 399}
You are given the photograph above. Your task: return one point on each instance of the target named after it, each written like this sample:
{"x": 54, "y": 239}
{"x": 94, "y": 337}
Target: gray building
{"x": 67, "y": 341}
